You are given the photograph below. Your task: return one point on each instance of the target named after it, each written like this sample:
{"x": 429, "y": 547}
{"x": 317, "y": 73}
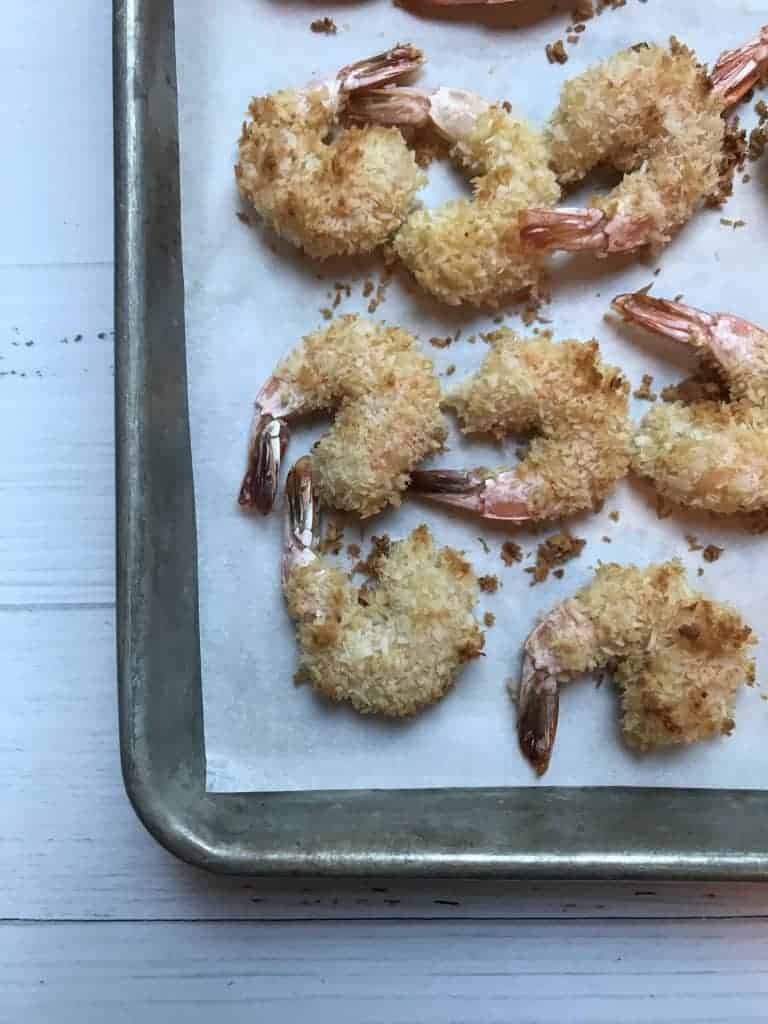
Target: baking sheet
{"x": 249, "y": 299}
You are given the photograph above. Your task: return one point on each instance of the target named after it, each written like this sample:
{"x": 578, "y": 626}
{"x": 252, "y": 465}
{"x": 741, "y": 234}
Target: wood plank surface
{"x": 386, "y": 972}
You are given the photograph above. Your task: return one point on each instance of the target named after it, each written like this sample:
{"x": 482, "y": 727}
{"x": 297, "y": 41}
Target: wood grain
{"x": 361, "y": 973}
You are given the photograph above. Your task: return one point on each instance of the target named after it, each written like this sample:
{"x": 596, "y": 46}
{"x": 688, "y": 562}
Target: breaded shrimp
{"x": 391, "y": 648}
{"x": 468, "y": 250}
{"x": 578, "y": 406}
{"x": 677, "y": 656}
{"x": 331, "y": 192}
{"x": 737, "y": 71}
{"x": 387, "y": 402}
{"x": 652, "y": 113}
{"x": 707, "y": 454}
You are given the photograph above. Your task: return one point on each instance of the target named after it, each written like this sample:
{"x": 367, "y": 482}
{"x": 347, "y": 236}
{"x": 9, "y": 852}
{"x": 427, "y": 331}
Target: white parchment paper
{"x": 250, "y": 299}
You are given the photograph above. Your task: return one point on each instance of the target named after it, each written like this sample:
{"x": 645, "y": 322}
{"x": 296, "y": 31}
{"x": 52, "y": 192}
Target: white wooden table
{"x": 97, "y": 922}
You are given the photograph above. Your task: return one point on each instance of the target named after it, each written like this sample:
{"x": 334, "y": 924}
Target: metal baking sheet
{"x": 550, "y": 832}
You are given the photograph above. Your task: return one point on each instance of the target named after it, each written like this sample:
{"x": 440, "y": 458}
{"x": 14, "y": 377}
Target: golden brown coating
{"x": 708, "y": 455}
{"x": 331, "y": 198}
{"x": 388, "y": 415}
{"x": 393, "y": 647}
{"x": 650, "y": 112}
{"x": 469, "y": 249}
{"x": 576, "y": 405}
{"x": 679, "y": 657}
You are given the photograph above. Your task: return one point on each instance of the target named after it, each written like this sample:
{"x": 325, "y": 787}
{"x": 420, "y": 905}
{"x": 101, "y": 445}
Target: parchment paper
{"x": 250, "y": 299}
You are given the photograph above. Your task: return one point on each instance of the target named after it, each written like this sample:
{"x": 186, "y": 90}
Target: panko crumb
{"x": 511, "y": 552}
{"x": 556, "y": 52}
{"x": 615, "y": 515}
{"x": 440, "y": 342}
{"x": 645, "y": 392}
{"x": 489, "y": 619}
{"x": 555, "y": 551}
{"x": 693, "y": 542}
{"x": 380, "y": 548}
{"x": 333, "y": 541}
{"x": 488, "y": 584}
{"x": 712, "y": 553}
{"x": 353, "y": 550}
{"x": 324, "y": 26}
{"x": 243, "y": 217}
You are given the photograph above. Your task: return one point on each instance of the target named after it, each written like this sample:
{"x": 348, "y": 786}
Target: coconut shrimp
{"x": 708, "y": 454}
{"x": 388, "y": 418}
{"x": 652, "y": 113}
{"x": 578, "y": 406}
{"x": 677, "y": 657}
{"x": 330, "y": 192}
{"x": 468, "y": 250}
{"x": 394, "y": 646}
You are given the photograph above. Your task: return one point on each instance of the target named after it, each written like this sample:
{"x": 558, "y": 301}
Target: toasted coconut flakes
{"x": 511, "y": 552}
{"x": 712, "y": 553}
{"x": 324, "y": 26}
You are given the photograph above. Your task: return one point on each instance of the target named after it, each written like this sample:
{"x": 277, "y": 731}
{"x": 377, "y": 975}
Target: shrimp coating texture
{"x": 388, "y": 418}
{"x": 469, "y": 250}
{"x": 677, "y": 657}
{"x": 394, "y": 647}
{"x": 331, "y": 192}
{"x": 578, "y": 406}
{"x": 651, "y": 113}
{"x": 708, "y": 454}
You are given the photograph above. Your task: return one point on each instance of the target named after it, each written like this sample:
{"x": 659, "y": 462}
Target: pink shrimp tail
{"x": 269, "y": 439}
{"x": 671, "y": 319}
{"x": 381, "y": 69}
{"x": 501, "y": 498}
{"x": 737, "y": 71}
{"x": 394, "y": 106}
{"x": 538, "y": 708}
{"x": 571, "y": 229}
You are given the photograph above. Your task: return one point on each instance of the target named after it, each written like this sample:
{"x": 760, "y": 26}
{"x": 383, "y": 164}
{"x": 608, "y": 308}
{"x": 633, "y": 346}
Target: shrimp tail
{"x": 269, "y": 440}
{"x": 302, "y": 518}
{"x": 381, "y": 69}
{"x": 538, "y": 707}
{"x": 738, "y": 70}
{"x": 394, "y": 106}
{"x": 499, "y": 497}
{"x": 576, "y": 230}
{"x": 660, "y": 316}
